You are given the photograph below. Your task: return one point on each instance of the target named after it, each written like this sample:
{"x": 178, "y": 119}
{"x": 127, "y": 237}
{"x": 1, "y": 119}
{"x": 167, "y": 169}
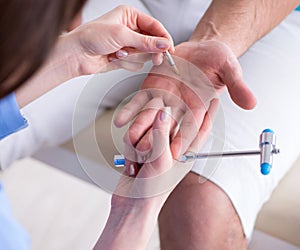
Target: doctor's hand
{"x": 142, "y": 190}
{"x": 101, "y": 45}
{"x": 206, "y": 69}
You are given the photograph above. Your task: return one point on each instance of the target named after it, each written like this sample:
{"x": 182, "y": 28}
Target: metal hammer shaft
{"x": 227, "y": 154}
{"x": 233, "y": 153}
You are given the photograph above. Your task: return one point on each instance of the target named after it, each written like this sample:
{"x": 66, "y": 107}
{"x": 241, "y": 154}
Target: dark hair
{"x": 28, "y": 30}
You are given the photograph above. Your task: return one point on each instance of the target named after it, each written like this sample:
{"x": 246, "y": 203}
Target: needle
{"x": 171, "y": 62}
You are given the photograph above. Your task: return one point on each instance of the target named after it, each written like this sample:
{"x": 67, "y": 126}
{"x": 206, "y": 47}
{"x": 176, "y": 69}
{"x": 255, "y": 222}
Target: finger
{"x": 157, "y": 58}
{"x": 206, "y": 127}
{"x": 144, "y": 43}
{"x": 129, "y": 59}
{"x": 130, "y": 169}
{"x": 144, "y": 146}
{"x": 109, "y": 66}
{"x": 134, "y": 56}
{"x": 161, "y": 152}
{"x": 232, "y": 76}
{"x": 160, "y": 159}
{"x": 131, "y": 109}
{"x": 153, "y": 27}
{"x": 129, "y": 153}
{"x": 189, "y": 128}
{"x": 128, "y": 65}
{"x": 122, "y": 53}
{"x": 144, "y": 120}
{"x": 131, "y": 55}
{"x": 145, "y": 142}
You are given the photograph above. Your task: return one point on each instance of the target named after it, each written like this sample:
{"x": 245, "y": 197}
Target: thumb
{"x": 233, "y": 78}
{"x": 144, "y": 43}
{"x": 161, "y": 153}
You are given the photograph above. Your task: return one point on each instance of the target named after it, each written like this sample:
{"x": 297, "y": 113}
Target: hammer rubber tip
{"x": 265, "y": 168}
{"x": 268, "y": 130}
{"x": 119, "y": 161}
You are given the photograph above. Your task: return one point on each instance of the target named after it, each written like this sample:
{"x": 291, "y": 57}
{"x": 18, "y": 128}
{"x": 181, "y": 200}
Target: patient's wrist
{"x": 227, "y": 22}
{"x": 209, "y": 32}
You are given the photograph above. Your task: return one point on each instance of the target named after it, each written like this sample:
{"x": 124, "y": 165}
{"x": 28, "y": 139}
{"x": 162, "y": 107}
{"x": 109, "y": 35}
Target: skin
{"x": 206, "y": 216}
{"x": 200, "y": 222}
{"x": 121, "y": 229}
{"x": 131, "y": 220}
{"x": 85, "y": 50}
{"x": 134, "y": 206}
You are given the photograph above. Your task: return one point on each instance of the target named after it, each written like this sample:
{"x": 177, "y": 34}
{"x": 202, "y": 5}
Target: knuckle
{"x": 144, "y": 145}
{"x": 122, "y": 7}
{"x": 135, "y": 132}
{"x": 148, "y": 41}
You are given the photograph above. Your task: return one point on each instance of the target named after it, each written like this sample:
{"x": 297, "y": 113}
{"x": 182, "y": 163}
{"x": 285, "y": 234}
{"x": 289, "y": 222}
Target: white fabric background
{"x": 271, "y": 70}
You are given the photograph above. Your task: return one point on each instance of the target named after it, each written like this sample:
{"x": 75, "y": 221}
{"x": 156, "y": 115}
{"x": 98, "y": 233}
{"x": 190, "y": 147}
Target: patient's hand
{"x": 206, "y": 69}
{"x": 154, "y": 166}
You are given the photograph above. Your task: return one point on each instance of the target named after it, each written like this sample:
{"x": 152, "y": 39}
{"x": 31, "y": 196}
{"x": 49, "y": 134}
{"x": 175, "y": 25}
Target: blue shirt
{"x": 11, "y": 119}
{"x": 12, "y": 235}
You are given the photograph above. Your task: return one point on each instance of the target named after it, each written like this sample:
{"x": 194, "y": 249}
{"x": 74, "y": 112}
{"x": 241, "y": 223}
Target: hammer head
{"x": 267, "y": 145}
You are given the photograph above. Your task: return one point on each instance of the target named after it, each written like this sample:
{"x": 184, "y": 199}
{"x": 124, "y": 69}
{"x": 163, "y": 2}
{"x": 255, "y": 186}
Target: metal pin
{"x": 171, "y": 62}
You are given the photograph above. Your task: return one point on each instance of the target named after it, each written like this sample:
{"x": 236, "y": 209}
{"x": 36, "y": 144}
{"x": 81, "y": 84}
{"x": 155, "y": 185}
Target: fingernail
{"x": 122, "y": 53}
{"x": 131, "y": 170}
{"x": 161, "y": 59}
{"x": 162, "y": 44}
{"x": 165, "y": 114}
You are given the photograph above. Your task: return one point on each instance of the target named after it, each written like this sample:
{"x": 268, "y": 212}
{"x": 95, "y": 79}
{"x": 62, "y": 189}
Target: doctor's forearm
{"x": 61, "y": 65}
{"x": 130, "y": 224}
{"x": 240, "y": 23}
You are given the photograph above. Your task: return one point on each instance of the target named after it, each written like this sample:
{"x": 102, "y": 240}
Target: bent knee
{"x": 199, "y": 212}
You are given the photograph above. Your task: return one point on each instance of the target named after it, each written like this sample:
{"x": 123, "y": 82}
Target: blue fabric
{"x": 12, "y": 235}
{"x": 11, "y": 119}
{"x": 298, "y": 8}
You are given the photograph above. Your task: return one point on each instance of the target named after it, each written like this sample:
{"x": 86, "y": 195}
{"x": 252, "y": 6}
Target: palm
{"x": 191, "y": 95}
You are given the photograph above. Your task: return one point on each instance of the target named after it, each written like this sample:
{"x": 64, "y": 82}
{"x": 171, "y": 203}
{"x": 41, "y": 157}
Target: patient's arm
{"x": 206, "y": 69}
{"x": 240, "y": 23}
{"x": 228, "y": 29}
